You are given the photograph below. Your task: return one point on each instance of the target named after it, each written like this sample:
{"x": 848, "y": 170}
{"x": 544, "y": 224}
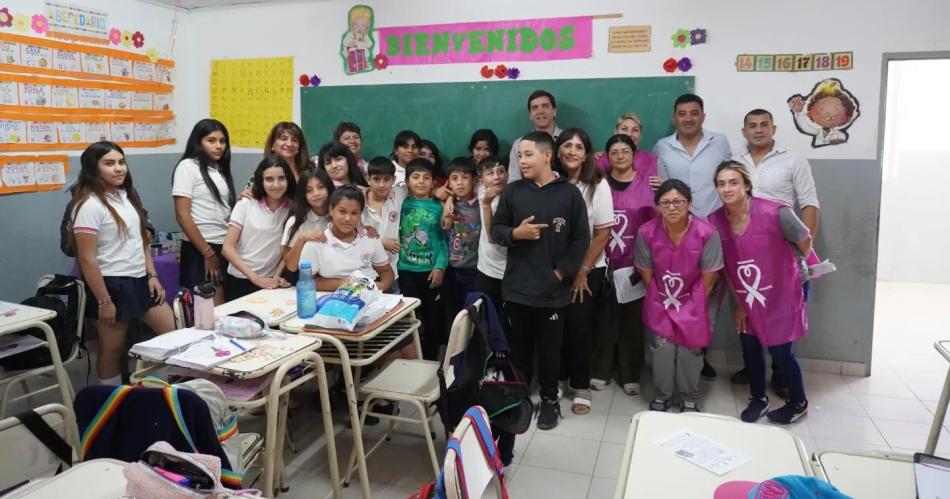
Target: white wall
{"x": 311, "y": 32}
{"x": 916, "y": 174}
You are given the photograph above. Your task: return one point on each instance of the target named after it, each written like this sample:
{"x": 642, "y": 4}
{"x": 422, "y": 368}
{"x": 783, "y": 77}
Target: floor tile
{"x": 601, "y": 488}
{"x": 616, "y": 429}
{"x": 532, "y": 482}
{"x": 851, "y": 428}
{"x": 925, "y": 390}
{"x": 886, "y": 384}
{"x": 898, "y": 409}
{"x": 561, "y": 453}
{"x": 630, "y": 404}
{"x": 589, "y": 426}
{"x": 608, "y": 460}
{"x": 907, "y": 435}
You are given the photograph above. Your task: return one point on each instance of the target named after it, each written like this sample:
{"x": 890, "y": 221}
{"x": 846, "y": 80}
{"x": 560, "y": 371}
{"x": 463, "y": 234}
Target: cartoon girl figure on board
{"x": 826, "y": 113}
{"x": 357, "y": 44}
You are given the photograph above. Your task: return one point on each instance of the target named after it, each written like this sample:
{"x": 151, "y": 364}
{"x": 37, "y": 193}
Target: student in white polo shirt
{"x": 347, "y": 248}
{"x": 204, "y": 195}
{"x": 252, "y": 245}
{"x": 309, "y": 216}
{"x": 112, "y": 248}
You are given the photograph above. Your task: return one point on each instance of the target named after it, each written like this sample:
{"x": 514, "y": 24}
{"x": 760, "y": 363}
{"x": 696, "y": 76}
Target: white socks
{"x": 114, "y": 381}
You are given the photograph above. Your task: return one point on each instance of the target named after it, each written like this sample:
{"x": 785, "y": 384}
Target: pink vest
{"x": 675, "y": 305}
{"x": 632, "y": 208}
{"x": 763, "y": 269}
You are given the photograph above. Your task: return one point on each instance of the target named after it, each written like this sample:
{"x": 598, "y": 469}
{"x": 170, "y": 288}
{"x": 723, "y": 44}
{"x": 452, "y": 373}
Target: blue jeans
{"x": 782, "y": 356}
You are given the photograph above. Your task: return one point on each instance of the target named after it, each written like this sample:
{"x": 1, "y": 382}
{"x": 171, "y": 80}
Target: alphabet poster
{"x": 250, "y": 95}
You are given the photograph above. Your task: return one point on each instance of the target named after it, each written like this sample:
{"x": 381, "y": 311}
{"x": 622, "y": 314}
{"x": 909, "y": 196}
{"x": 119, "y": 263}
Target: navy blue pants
{"x": 782, "y": 357}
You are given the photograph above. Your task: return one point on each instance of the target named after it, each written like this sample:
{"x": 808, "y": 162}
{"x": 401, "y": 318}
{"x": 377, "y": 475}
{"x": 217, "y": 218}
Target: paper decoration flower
{"x": 501, "y": 71}
{"x": 21, "y": 23}
{"x": 381, "y": 61}
{"x": 697, "y": 36}
{"x": 681, "y": 38}
{"x": 138, "y": 39}
{"x": 152, "y": 54}
{"x": 315, "y": 81}
{"x": 126, "y": 38}
{"x": 6, "y": 18}
{"x": 40, "y": 24}
{"x": 487, "y": 72}
{"x": 513, "y": 73}
{"x": 669, "y": 65}
{"x": 304, "y": 80}
{"x": 685, "y": 64}
{"x": 115, "y": 36}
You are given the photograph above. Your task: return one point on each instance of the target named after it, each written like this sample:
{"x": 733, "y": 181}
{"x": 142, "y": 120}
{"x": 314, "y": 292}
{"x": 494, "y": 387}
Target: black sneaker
{"x": 549, "y": 414}
{"x": 755, "y": 410}
{"x": 660, "y": 405}
{"x": 780, "y": 389}
{"x": 708, "y": 373}
{"x": 789, "y": 413}
{"x": 741, "y": 377}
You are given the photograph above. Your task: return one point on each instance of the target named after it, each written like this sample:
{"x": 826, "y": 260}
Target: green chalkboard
{"x": 448, "y": 113}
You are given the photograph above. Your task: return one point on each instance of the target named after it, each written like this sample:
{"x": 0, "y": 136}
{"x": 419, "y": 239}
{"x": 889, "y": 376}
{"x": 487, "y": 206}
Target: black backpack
{"x": 60, "y": 295}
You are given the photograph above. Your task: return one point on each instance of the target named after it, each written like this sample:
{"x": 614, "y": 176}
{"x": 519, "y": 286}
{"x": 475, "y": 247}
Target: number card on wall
{"x": 829, "y": 61}
{"x": 33, "y": 173}
{"x": 250, "y": 95}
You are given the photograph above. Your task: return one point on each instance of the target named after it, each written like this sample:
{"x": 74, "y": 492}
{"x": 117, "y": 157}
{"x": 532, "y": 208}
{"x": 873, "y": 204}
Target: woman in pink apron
{"x": 618, "y": 338}
{"x": 760, "y": 239}
{"x": 679, "y": 257}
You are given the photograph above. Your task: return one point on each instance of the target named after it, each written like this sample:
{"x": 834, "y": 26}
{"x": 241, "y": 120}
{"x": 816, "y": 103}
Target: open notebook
{"x": 209, "y": 353}
{"x": 165, "y": 345}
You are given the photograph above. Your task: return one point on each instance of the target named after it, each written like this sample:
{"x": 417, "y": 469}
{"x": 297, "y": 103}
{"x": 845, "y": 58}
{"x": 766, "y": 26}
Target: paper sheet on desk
{"x": 165, "y": 345}
{"x": 209, "y": 353}
{"x": 627, "y": 291}
{"x": 702, "y": 452}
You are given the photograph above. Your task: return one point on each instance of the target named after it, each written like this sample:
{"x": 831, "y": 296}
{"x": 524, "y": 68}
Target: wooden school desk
{"x": 647, "y": 471}
{"x": 18, "y": 318}
{"x": 869, "y": 476}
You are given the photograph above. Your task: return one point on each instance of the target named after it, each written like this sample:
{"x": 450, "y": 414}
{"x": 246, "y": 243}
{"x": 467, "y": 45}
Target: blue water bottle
{"x": 306, "y": 292}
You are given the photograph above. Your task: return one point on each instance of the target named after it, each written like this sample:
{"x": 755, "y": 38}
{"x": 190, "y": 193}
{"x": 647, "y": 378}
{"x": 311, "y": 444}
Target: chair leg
{"x": 352, "y": 461}
{"x": 392, "y": 422}
{"x": 427, "y": 431}
{"x": 26, "y": 391}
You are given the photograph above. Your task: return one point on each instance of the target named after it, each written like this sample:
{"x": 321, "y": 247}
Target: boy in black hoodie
{"x": 542, "y": 220}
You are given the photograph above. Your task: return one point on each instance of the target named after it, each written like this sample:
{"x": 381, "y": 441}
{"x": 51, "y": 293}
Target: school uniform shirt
{"x": 696, "y": 170}
{"x": 119, "y": 254}
{"x": 209, "y": 215}
{"x": 514, "y": 171}
{"x": 600, "y": 211}
{"x": 465, "y": 233}
{"x": 492, "y": 257}
{"x": 313, "y": 222}
{"x": 421, "y": 236}
{"x": 400, "y": 174}
{"x": 339, "y": 259}
{"x": 261, "y": 231}
{"x": 529, "y": 276}
{"x": 386, "y": 222}
{"x": 782, "y": 175}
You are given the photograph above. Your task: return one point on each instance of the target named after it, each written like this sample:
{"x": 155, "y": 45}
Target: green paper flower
{"x": 681, "y": 38}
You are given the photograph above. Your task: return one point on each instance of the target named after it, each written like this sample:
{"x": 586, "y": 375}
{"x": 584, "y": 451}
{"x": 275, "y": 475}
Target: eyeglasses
{"x": 619, "y": 153}
{"x": 677, "y": 203}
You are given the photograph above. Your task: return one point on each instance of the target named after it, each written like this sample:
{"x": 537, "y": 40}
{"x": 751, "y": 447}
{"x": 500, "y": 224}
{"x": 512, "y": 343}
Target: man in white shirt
{"x": 780, "y": 175}
{"x": 542, "y": 109}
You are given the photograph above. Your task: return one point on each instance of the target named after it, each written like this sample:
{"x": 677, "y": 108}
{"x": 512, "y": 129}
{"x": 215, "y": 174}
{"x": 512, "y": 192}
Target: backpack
{"x": 186, "y": 307}
{"x": 60, "y": 295}
{"x": 484, "y": 375}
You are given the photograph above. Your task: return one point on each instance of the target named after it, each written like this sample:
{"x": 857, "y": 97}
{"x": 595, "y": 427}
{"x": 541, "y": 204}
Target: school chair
{"x": 20, "y": 378}
{"x": 471, "y": 459}
{"x": 415, "y": 382}
{"x": 25, "y": 457}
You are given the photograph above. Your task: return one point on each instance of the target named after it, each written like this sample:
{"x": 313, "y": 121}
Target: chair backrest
{"x": 459, "y": 335}
{"x": 23, "y": 456}
{"x": 80, "y": 311}
{"x": 468, "y": 467}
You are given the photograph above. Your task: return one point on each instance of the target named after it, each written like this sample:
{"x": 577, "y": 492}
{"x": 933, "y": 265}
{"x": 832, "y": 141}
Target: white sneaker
{"x": 631, "y": 388}
{"x": 598, "y": 384}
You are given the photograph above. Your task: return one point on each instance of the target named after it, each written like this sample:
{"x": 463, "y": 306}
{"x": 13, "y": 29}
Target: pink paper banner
{"x": 519, "y": 40}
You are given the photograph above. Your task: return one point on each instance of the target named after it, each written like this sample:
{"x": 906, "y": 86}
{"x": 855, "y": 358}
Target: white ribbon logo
{"x": 616, "y": 236}
{"x": 750, "y": 276}
{"x": 673, "y": 284}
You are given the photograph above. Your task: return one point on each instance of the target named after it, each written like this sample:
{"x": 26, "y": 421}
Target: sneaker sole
{"x": 794, "y": 418}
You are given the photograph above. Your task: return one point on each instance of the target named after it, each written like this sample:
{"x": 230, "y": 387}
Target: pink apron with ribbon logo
{"x": 675, "y": 306}
{"x": 632, "y": 208}
{"x": 763, "y": 269}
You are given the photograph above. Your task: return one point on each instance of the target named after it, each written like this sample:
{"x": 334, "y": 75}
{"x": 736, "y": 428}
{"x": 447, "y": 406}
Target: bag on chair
{"x": 61, "y": 295}
{"x": 165, "y": 473}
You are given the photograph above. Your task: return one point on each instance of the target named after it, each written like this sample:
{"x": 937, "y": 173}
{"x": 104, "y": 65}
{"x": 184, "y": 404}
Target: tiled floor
{"x": 891, "y": 410}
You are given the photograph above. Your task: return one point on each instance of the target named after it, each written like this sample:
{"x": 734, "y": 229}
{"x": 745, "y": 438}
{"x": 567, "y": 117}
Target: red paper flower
{"x": 487, "y": 72}
{"x": 115, "y": 36}
{"x": 304, "y": 80}
{"x": 40, "y": 24}
{"x": 501, "y": 71}
{"x": 138, "y": 39}
{"x": 669, "y": 65}
{"x": 381, "y": 61}
{"x": 6, "y": 18}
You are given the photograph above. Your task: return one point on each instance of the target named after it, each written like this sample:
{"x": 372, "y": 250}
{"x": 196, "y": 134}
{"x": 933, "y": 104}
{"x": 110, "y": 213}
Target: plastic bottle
{"x": 306, "y": 292}
{"x": 204, "y": 306}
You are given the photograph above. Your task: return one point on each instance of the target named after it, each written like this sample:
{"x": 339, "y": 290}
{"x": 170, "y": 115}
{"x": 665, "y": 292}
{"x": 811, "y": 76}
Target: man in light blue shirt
{"x": 692, "y": 154}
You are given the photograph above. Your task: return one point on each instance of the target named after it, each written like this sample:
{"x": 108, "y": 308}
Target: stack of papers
{"x": 165, "y": 345}
{"x": 208, "y": 353}
{"x": 13, "y": 344}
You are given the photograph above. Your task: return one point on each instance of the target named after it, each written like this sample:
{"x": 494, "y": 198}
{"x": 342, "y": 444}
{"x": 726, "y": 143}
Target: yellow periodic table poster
{"x": 250, "y": 95}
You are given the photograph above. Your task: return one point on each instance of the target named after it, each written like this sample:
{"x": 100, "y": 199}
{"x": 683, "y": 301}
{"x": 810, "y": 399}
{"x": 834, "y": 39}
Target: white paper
{"x": 627, "y": 292}
{"x": 12, "y": 344}
{"x": 168, "y": 344}
{"x": 820, "y": 269}
{"x": 208, "y": 353}
{"x": 702, "y": 452}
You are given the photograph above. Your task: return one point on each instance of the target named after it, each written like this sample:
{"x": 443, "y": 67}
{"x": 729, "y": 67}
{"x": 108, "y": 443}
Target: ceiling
{"x": 205, "y": 4}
